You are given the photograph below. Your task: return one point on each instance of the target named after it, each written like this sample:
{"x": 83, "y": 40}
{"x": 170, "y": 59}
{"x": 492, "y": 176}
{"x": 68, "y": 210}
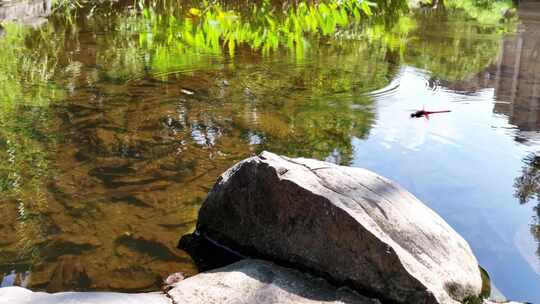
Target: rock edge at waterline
{"x": 348, "y": 225}
{"x": 244, "y": 282}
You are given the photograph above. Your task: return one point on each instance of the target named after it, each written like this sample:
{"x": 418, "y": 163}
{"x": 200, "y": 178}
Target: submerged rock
{"x": 68, "y": 274}
{"x": 347, "y": 224}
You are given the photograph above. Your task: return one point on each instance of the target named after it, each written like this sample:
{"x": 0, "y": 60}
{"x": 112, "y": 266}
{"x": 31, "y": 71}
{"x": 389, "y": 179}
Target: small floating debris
{"x": 174, "y": 278}
{"x": 187, "y": 92}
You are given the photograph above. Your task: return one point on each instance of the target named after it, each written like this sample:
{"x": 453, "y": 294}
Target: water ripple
{"x": 388, "y": 91}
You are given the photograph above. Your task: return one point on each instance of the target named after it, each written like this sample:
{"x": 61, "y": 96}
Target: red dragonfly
{"x": 424, "y": 113}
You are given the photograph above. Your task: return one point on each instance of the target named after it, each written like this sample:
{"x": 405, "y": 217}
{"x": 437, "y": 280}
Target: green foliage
{"x": 24, "y": 83}
{"x": 463, "y": 48}
{"x": 527, "y": 188}
{"x": 473, "y": 300}
{"x": 469, "y": 40}
{"x": 26, "y": 92}
{"x": 486, "y": 283}
{"x": 20, "y": 70}
{"x": 212, "y": 28}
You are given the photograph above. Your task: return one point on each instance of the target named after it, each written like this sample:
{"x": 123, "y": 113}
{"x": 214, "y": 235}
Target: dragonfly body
{"x": 424, "y": 113}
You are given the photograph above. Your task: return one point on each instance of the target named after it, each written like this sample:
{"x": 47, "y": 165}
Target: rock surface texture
{"x": 19, "y": 295}
{"x": 347, "y": 224}
{"x": 261, "y": 282}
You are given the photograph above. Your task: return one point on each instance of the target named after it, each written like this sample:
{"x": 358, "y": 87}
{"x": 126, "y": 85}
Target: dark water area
{"x": 117, "y": 119}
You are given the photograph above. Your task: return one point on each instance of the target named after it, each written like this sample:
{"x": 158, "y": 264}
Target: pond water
{"x": 117, "y": 119}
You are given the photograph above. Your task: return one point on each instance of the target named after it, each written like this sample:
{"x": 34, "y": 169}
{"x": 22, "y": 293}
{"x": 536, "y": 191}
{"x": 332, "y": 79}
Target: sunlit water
{"x": 108, "y": 163}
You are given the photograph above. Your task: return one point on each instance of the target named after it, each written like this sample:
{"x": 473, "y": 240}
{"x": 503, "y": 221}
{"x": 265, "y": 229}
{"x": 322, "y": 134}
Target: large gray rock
{"x": 260, "y": 282}
{"x": 247, "y": 281}
{"x": 347, "y": 224}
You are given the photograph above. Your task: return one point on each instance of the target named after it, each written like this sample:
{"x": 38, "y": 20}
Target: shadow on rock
{"x": 205, "y": 254}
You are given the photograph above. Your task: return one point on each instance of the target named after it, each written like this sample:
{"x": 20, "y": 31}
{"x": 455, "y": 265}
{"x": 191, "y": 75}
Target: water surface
{"x": 115, "y": 126}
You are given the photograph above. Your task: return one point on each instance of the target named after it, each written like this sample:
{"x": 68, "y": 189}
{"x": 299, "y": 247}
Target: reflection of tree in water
{"x": 528, "y": 188}
{"x": 132, "y": 141}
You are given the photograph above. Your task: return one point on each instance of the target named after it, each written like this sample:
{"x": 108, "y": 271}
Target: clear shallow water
{"x": 113, "y": 133}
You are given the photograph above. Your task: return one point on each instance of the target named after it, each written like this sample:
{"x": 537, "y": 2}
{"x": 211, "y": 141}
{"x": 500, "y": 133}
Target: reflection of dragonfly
{"x": 424, "y": 113}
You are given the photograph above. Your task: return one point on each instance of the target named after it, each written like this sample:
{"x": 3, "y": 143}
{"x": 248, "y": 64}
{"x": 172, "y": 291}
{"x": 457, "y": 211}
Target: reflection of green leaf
{"x": 195, "y": 11}
{"x": 462, "y": 48}
{"x": 486, "y": 12}
{"x": 527, "y": 189}
{"x": 18, "y": 71}
{"x": 366, "y": 8}
{"x": 261, "y": 29}
{"x": 26, "y": 91}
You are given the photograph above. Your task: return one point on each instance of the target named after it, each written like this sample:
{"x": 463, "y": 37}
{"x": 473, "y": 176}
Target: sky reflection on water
{"x": 463, "y": 165}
